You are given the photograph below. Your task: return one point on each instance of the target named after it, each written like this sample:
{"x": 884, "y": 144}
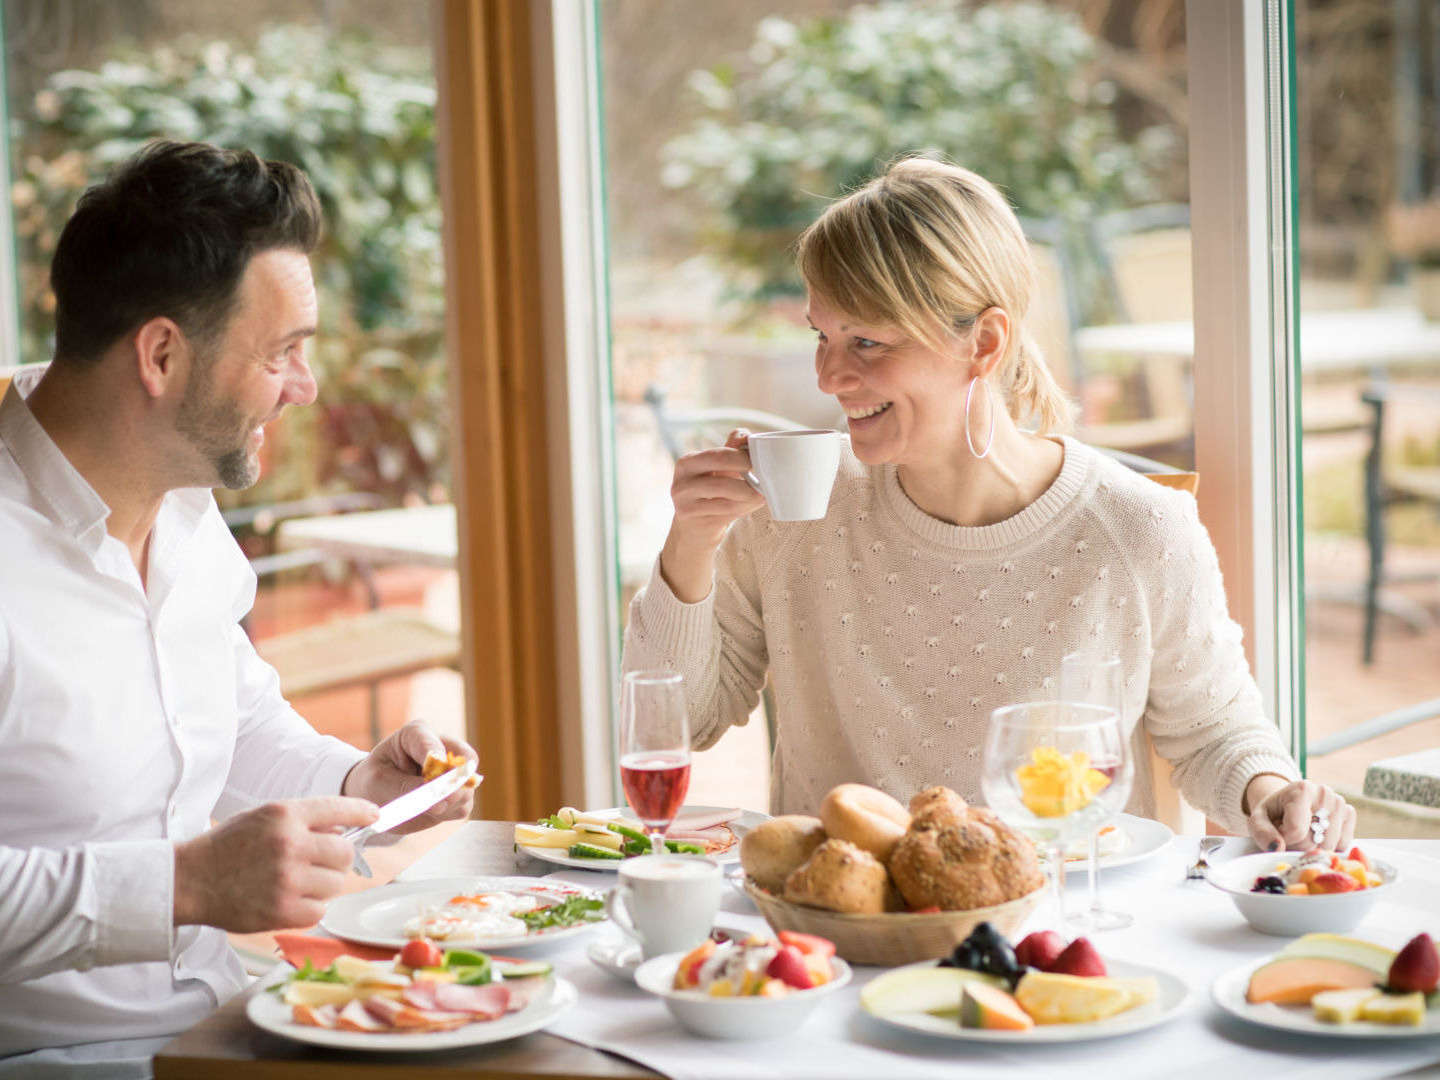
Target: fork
{"x": 1208, "y": 845}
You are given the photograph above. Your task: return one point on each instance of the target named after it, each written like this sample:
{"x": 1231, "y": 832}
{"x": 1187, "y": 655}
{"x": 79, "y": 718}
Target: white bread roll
{"x": 774, "y": 848}
{"x": 865, "y": 816}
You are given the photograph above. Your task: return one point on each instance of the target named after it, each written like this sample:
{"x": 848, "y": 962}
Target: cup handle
{"x": 754, "y": 482}
{"x": 619, "y": 911}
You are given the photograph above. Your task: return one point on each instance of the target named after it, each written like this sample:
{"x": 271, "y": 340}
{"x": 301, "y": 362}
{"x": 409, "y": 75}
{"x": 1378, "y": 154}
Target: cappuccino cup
{"x": 795, "y": 471}
{"x": 665, "y": 902}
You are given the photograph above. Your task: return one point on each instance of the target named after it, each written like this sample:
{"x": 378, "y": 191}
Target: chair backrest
{"x": 683, "y": 430}
{"x": 1145, "y": 253}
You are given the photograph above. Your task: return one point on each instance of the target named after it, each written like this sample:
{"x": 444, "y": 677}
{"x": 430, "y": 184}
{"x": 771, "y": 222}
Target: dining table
{"x": 1189, "y": 928}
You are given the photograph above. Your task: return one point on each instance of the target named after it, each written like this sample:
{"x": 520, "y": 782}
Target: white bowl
{"x": 1290, "y": 916}
{"x": 734, "y": 1017}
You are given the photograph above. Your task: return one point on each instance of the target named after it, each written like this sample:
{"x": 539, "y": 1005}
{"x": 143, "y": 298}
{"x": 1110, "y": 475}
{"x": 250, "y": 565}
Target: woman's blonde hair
{"x": 926, "y": 247}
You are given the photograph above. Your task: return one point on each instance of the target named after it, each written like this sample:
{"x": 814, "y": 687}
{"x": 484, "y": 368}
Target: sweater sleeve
{"x": 717, "y": 644}
{"x": 1203, "y": 710}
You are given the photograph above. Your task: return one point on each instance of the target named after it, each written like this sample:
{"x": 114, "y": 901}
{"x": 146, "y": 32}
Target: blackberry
{"x": 1269, "y": 884}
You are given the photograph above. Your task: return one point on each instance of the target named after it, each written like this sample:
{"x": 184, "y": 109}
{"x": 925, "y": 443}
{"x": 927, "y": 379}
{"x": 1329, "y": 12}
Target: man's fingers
{"x": 458, "y": 746}
{"x": 330, "y": 850}
{"x": 319, "y": 882}
{"x": 418, "y": 742}
{"x": 322, "y": 813}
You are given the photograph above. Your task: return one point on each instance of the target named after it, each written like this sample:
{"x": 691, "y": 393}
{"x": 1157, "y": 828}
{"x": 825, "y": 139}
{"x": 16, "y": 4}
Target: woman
{"x": 961, "y": 556}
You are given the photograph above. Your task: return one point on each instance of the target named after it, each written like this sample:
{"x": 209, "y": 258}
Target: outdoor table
{"x": 1188, "y": 928}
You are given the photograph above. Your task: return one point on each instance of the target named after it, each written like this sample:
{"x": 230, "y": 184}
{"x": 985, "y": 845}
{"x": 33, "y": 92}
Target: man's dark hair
{"x": 170, "y": 233}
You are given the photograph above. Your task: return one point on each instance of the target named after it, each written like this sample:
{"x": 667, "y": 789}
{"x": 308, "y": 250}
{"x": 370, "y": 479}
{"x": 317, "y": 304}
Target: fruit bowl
{"x": 734, "y": 1017}
{"x": 1291, "y": 916}
{"x": 893, "y": 938}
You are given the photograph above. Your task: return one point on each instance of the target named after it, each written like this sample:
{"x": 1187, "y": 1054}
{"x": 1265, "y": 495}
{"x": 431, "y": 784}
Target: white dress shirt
{"x": 130, "y": 716}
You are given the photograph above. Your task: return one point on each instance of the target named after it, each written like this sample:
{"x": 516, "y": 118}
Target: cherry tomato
{"x": 421, "y": 953}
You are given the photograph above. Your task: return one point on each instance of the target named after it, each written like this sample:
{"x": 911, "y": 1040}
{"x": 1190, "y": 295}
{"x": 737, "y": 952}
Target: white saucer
{"x": 616, "y": 956}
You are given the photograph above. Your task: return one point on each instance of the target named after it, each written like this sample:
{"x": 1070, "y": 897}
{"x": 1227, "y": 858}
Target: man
{"x": 133, "y": 709}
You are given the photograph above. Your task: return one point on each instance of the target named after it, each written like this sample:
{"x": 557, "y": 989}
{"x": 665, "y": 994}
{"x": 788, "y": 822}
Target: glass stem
{"x": 1057, "y": 863}
{"x": 1095, "y": 872}
{"x": 657, "y": 842}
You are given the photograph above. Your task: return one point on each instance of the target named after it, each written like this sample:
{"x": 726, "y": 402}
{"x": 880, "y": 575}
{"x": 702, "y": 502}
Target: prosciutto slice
{"x": 696, "y": 820}
{"x": 355, "y": 1017}
{"x": 488, "y": 1002}
{"x": 321, "y": 1016}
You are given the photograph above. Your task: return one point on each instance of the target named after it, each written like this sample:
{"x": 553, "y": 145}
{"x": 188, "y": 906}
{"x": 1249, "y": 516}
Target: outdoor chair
{"x": 1387, "y": 486}
{"x": 362, "y": 649}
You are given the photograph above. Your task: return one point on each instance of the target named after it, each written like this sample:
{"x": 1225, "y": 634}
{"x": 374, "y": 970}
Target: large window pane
{"x": 1369, "y": 235}
{"x": 728, "y": 127}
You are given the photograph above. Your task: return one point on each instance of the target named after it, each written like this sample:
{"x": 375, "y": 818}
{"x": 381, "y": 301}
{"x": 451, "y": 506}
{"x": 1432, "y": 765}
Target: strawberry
{"x": 1039, "y": 950}
{"x": 1415, "y": 967}
{"x": 1360, "y": 857}
{"x": 1333, "y": 881}
{"x": 809, "y": 944}
{"x": 788, "y": 965}
{"x": 1079, "y": 958}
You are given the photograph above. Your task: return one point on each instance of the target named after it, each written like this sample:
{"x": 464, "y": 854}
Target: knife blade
{"x": 416, "y": 801}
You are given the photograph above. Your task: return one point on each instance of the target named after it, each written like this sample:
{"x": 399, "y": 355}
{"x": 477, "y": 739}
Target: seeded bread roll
{"x": 773, "y": 849}
{"x": 865, "y": 816}
{"x": 976, "y": 862}
{"x": 937, "y": 806}
{"x": 840, "y": 877}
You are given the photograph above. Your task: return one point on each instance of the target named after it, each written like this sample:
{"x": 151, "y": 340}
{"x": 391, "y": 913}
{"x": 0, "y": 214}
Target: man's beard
{"x": 212, "y": 426}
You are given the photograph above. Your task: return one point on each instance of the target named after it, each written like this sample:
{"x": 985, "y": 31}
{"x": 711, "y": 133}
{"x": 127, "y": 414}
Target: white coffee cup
{"x": 666, "y": 902}
{"x": 795, "y": 471}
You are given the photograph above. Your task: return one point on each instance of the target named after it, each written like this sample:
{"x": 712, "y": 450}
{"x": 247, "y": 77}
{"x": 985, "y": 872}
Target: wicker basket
{"x": 895, "y": 937}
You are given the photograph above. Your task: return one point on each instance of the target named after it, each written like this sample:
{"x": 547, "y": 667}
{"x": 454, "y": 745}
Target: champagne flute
{"x": 1055, "y": 770}
{"x": 1097, "y": 679}
{"x": 654, "y": 749}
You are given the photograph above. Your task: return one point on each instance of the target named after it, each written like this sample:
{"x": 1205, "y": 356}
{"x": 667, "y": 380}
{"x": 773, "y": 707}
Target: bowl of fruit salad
{"x": 1293, "y": 892}
{"x": 746, "y": 988}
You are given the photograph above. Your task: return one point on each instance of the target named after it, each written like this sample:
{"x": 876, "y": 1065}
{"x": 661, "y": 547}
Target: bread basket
{"x": 892, "y": 938}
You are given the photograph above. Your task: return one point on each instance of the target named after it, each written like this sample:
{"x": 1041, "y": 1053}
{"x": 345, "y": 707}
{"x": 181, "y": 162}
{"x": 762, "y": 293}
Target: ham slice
{"x": 385, "y": 1010}
{"x": 321, "y": 1016}
{"x": 413, "y": 1020}
{"x": 420, "y": 995}
{"x": 524, "y": 991}
{"x": 697, "y": 820}
{"x": 488, "y": 1002}
{"x": 355, "y": 1017}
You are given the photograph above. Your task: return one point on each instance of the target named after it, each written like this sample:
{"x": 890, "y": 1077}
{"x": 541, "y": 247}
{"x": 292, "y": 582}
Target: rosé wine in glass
{"x": 655, "y": 785}
{"x": 654, "y": 749}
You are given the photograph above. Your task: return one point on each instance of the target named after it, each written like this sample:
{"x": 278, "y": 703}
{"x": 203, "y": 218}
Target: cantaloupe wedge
{"x": 1296, "y": 980}
{"x": 990, "y": 1007}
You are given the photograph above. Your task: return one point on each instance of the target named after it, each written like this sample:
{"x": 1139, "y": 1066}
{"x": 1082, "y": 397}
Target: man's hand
{"x": 269, "y": 868}
{"x": 1282, "y": 815}
{"x": 393, "y": 768}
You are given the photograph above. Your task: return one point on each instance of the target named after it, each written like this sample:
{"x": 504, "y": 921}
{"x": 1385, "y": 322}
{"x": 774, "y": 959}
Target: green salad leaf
{"x": 571, "y": 911}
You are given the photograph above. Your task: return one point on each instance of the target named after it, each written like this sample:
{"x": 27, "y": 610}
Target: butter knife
{"x": 410, "y": 805}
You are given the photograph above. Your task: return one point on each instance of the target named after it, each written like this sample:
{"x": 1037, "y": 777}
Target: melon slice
{"x": 1297, "y": 980}
{"x": 990, "y": 1007}
{"x": 934, "y": 990}
{"x": 1341, "y": 1006}
{"x": 1075, "y": 999}
{"x": 1337, "y": 947}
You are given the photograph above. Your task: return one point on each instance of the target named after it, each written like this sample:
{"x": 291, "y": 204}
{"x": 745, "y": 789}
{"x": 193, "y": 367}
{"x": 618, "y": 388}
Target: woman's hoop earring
{"x": 989, "y": 438}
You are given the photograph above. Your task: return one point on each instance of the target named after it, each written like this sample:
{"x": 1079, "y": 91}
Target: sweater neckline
{"x": 1052, "y": 502}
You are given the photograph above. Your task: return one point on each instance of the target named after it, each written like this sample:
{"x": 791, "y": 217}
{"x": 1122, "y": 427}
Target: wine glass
{"x": 1097, "y": 679}
{"x": 654, "y": 749}
{"x": 1055, "y": 770}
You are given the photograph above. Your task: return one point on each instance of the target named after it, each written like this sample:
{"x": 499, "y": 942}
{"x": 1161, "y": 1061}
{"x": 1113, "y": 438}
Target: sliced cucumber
{"x": 680, "y": 847}
{"x": 590, "y": 851}
{"x": 629, "y": 833}
{"x": 522, "y": 969}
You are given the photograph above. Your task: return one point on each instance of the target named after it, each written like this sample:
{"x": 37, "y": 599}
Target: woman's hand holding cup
{"x": 710, "y": 492}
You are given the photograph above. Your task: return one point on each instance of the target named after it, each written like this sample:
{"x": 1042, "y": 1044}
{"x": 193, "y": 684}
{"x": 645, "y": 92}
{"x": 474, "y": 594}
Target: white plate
{"x": 1229, "y": 994}
{"x": 747, "y": 820}
{"x": 1171, "y": 999}
{"x": 378, "y": 916}
{"x": 1146, "y": 838}
{"x": 266, "y": 1010}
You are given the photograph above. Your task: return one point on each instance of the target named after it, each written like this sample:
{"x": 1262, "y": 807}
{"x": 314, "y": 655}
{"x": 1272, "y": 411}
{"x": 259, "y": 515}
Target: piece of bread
{"x": 839, "y": 877}
{"x": 865, "y": 816}
{"x": 974, "y": 862}
{"x": 772, "y": 850}
{"x": 937, "y": 806}
{"x": 435, "y": 765}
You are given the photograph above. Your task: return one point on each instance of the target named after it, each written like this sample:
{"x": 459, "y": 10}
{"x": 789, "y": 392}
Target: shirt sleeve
{"x": 717, "y": 644}
{"x": 1204, "y": 711}
{"x": 278, "y": 755}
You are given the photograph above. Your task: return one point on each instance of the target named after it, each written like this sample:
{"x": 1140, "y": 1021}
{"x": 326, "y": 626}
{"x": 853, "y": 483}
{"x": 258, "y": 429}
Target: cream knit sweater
{"x": 890, "y": 635}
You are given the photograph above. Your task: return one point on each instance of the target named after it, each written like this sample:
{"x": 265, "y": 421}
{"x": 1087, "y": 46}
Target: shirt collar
{"x": 73, "y": 504}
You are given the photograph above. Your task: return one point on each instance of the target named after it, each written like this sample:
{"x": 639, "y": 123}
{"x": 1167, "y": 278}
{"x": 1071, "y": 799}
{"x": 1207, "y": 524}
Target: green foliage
{"x": 1004, "y": 89}
{"x": 359, "y": 118}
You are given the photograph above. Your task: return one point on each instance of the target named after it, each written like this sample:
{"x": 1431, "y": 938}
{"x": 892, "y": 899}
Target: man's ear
{"x": 989, "y": 336}
{"x": 162, "y": 356}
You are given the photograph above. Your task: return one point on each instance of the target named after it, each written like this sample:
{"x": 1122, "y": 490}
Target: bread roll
{"x": 774, "y": 848}
{"x": 938, "y": 806}
{"x": 840, "y": 877}
{"x": 976, "y": 862}
{"x": 866, "y": 817}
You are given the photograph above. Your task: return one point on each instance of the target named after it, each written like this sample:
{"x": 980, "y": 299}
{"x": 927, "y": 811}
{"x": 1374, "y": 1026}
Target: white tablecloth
{"x": 1190, "y": 929}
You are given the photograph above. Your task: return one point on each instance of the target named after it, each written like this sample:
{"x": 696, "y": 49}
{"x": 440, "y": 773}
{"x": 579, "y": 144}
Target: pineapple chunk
{"x": 1075, "y": 999}
{"x": 1341, "y": 1006}
{"x": 1395, "y": 1009}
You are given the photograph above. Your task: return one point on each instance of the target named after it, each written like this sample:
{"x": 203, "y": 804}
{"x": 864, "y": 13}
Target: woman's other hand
{"x": 1298, "y": 815}
{"x": 710, "y": 492}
